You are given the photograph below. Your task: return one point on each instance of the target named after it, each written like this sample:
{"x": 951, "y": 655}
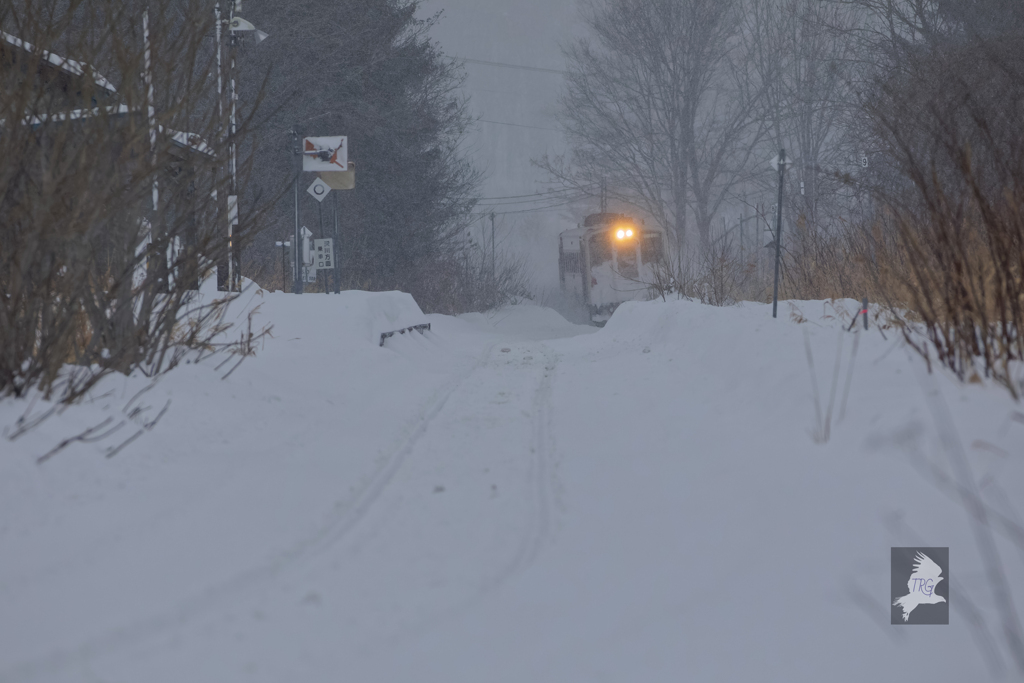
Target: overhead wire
{"x": 520, "y": 125}
{"x": 509, "y": 66}
{"x": 539, "y": 200}
{"x": 545, "y": 195}
{"x": 539, "y": 197}
{"x": 521, "y": 196}
{"x": 531, "y": 210}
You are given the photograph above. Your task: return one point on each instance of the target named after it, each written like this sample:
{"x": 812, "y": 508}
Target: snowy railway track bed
{"x": 512, "y": 498}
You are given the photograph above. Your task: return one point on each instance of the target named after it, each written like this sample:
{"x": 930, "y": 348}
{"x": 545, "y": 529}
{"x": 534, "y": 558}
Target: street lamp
{"x": 237, "y": 26}
{"x": 240, "y": 24}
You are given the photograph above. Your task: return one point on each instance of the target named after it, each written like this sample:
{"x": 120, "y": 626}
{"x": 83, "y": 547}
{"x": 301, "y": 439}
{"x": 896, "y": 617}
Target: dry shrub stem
{"x": 940, "y": 244}
{"x": 93, "y": 274}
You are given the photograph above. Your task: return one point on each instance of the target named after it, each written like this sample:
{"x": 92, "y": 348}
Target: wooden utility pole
{"x": 778, "y": 234}
{"x": 493, "y": 268}
{"x": 297, "y": 239}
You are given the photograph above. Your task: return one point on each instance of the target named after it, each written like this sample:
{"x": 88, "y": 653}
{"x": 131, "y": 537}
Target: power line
{"x": 509, "y": 66}
{"x": 524, "y": 202}
{"x": 539, "y": 198}
{"x": 521, "y": 196}
{"x": 519, "y": 125}
{"x": 539, "y": 208}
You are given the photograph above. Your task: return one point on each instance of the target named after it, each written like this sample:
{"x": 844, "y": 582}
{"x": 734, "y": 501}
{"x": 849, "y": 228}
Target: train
{"x": 608, "y": 259}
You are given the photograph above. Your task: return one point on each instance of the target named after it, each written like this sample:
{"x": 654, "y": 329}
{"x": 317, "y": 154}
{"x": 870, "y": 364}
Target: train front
{"x": 609, "y": 259}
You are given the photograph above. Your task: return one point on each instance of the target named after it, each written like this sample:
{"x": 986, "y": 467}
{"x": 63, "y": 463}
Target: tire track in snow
{"x": 542, "y": 483}
{"x": 340, "y": 523}
{"x": 540, "y": 477}
{"x": 372, "y": 491}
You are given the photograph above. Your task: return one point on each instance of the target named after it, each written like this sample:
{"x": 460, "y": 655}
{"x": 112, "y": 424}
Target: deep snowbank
{"x": 507, "y": 498}
{"x": 746, "y": 546}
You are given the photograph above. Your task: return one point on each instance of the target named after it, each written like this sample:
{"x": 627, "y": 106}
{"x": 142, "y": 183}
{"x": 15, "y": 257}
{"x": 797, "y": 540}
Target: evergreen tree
{"x": 366, "y": 69}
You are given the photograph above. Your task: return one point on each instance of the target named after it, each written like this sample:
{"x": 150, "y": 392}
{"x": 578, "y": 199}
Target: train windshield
{"x": 626, "y": 258}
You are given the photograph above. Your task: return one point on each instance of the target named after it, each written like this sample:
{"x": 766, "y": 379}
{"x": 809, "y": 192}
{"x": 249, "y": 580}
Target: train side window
{"x": 570, "y": 261}
{"x": 651, "y": 250}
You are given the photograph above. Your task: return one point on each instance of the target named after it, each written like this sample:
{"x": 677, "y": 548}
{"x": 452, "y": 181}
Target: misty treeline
{"x": 368, "y": 69}
{"x": 113, "y": 189}
{"x": 901, "y": 122}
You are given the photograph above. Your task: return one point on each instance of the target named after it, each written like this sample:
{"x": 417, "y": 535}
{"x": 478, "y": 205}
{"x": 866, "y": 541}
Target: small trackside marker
{"x": 422, "y": 329}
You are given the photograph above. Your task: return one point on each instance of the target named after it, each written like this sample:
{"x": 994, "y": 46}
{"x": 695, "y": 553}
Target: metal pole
{"x": 220, "y": 74}
{"x": 234, "y": 258}
{"x": 778, "y": 235}
{"x": 284, "y": 264}
{"x": 223, "y": 283}
{"x": 151, "y": 261}
{"x": 327, "y": 289}
{"x": 493, "y": 269}
{"x": 742, "y": 219}
{"x": 336, "y": 249}
{"x": 150, "y": 106}
{"x": 297, "y": 284}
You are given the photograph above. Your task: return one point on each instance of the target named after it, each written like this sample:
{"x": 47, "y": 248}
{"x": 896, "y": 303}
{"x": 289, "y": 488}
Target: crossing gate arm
{"x": 421, "y": 328}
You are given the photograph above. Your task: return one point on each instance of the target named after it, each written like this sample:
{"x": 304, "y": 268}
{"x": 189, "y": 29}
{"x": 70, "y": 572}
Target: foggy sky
{"x": 519, "y": 32}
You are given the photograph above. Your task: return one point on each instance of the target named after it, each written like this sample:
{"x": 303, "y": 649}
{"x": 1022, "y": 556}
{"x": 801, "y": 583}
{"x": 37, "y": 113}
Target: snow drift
{"x": 509, "y": 497}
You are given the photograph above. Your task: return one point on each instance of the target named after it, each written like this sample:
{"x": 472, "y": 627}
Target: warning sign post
{"x": 327, "y": 156}
{"x": 325, "y": 153}
{"x": 323, "y": 254}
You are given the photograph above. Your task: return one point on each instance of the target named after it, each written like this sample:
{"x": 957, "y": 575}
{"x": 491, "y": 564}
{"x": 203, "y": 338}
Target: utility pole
{"x": 151, "y": 260}
{"x": 220, "y": 74}
{"x": 493, "y": 269}
{"x": 223, "y": 282}
{"x": 743, "y": 218}
{"x": 778, "y": 234}
{"x": 235, "y": 23}
{"x": 296, "y": 239}
{"x": 234, "y": 259}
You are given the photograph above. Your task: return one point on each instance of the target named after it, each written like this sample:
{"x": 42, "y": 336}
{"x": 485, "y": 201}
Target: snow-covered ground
{"x": 507, "y": 498}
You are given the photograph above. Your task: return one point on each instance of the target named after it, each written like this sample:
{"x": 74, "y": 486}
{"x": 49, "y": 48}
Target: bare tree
{"x": 659, "y": 108}
{"x": 805, "y": 55}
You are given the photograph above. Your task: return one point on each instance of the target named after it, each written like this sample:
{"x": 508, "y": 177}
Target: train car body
{"x": 608, "y": 259}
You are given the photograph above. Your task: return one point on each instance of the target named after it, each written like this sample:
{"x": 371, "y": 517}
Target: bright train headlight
{"x": 629, "y": 233}
{"x": 620, "y": 234}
